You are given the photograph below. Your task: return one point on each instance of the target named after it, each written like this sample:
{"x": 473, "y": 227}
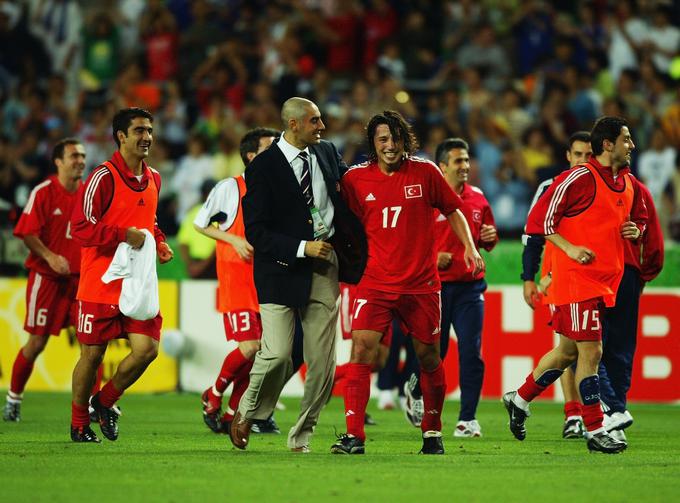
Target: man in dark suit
{"x": 304, "y": 238}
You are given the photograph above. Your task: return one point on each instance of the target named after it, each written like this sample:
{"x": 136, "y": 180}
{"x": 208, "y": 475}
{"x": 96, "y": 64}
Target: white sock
{"x": 521, "y": 402}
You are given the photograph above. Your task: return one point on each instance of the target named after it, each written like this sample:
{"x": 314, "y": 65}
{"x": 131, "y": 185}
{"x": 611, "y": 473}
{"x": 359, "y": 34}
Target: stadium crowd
{"x": 515, "y": 78}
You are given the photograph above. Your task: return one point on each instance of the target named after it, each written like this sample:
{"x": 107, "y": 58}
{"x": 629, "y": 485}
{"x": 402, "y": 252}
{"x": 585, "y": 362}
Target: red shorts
{"x": 50, "y": 304}
{"x": 243, "y": 325}
{"x": 100, "y": 323}
{"x": 419, "y": 313}
{"x": 346, "y": 313}
{"x": 579, "y": 321}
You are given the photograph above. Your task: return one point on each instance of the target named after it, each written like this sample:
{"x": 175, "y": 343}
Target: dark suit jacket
{"x": 277, "y": 219}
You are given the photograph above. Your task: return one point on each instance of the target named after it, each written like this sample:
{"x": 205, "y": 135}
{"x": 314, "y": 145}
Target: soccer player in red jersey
{"x": 394, "y": 195}
{"x": 53, "y": 263}
{"x": 462, "y": 291}
{"x": 586, "y": 214}
{"x": 117, "y": 202}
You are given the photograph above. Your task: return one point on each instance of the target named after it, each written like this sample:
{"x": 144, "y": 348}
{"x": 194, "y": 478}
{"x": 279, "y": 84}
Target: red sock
{"x": 530, "y": 390}
{"x": 572, "y": 408}
{"x": 79, "y": 415}
{"x": 230, "y": 369}
{"x": 240, "y": 386}
{"x": 340, "y": 373}
{"x": 433, "y": 385}
{"x": 98, "y": 380}
{"x": 592, "y": 416}
{"x": 21, "y": 371}
{"x": 357, "y": 393}
{"x": 109, "y": 395}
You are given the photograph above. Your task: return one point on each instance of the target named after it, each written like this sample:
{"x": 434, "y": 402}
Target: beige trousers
{"x": 273, "y": 364}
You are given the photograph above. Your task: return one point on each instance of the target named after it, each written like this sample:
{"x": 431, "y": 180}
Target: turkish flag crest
{"x": 413, "y": 191}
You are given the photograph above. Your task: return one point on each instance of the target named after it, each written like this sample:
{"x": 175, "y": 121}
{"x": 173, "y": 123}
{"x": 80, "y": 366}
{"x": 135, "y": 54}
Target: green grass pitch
{"x": 165, "y": 453}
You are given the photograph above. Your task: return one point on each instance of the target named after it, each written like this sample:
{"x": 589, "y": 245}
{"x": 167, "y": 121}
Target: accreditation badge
{"x": 321, "y": 232}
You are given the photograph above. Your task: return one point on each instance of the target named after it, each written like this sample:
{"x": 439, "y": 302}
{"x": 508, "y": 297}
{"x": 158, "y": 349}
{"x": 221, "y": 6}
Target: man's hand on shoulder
{"x": 318, "y": 249}
{"x": 165, "y": 253}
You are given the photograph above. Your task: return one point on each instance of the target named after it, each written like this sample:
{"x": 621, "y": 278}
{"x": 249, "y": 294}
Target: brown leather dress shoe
{"x": 240, "y": 431}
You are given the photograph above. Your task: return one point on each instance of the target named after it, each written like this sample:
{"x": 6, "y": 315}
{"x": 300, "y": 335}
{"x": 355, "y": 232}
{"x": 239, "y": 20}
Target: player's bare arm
{"x": 240, "y": 245}
{"x": 630, "y": 230}
{"x": 460, "y": 227}
{"x": 57, "y": 263}
{"x": 578, "y": 253}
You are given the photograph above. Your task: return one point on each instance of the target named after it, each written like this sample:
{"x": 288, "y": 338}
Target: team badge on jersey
{"x": 413, "y": 191}
{"x": 476, "y": 215}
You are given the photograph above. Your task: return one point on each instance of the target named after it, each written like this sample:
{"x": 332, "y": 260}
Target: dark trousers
{"x": 619, "y": 337}
{"x": 463, "y": 307}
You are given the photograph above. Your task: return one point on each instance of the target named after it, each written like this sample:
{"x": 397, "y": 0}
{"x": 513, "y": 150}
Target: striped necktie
{"x": 306, "y": 179}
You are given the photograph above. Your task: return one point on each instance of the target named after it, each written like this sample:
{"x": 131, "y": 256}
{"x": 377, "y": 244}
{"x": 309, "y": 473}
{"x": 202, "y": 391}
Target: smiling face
{"x": 71, "y": 166}
{"x": 138, "y": 140}
{"x": 579, "y": 153}
{"x": 389, "y": 150}
{"x": 622, "y": 148}
{"x": 308, "y": 127}
{"x": 457, "y": 168}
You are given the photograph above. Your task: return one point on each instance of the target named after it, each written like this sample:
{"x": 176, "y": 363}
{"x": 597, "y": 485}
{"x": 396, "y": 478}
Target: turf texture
{"x": 165, "y": 453}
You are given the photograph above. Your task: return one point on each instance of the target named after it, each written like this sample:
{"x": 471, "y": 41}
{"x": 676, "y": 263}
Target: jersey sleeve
{"x": 33, "y": 217}
{"x": 488, "y": 219}
{"x": 441, "y": 194}
{"x": 348, "y": 192}
{"x": 93, "y": 200}
{"x": 652, "y": 240}
{"x": 571, "y": 193}
{"x": 221, "y": 206}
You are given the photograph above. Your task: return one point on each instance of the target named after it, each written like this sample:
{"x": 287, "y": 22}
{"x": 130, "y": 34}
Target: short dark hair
{"x": 400, "y": 129}
{"x": 123, "y": 119}
{"x": 446, "y": 146}
{"x": 583, "y": 136}
{"x": 60, "y": 146}
{"x": 605, "y": 128}
{"x": 250, "y": 143}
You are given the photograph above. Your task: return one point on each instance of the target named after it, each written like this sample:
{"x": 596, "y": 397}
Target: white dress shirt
{"x": 321, "y": 199}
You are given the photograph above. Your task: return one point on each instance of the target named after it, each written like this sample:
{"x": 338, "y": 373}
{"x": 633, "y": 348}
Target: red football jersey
{"x": 477, "y": 211}
{"x": 396, "y": 211}
{"x": 47, "y": 215}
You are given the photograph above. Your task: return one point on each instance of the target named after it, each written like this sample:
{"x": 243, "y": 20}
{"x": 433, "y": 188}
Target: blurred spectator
{"x": 488, "y": 56}
{"x": 58, "y": 23}
{"x": 511, "y": 114}
{"x": 199, "y": 40}
{"x": 508, "y": 194}
{"x": 460, "y": 18}
{"x": 342, "y": 37}
{"x": 533, "y": 31}
{"x": 227, "y": 159}
{"x": 656, "y": 166}
{"x": 101, "y": 52}
{"x": 419, "y": 44}
{"x": 158, "y": 30}
{"x": 662, "y": 39}
{"x": 626, "y": 32}
{"x": 380, "y": 23}
{"x": 221, "y": 73}
{"x": 172, "y": 119}
{"x": 536, "y": 154}
{"x": 390, "y": 61}
{"x": 197, "y": 251}
{"x": 194, "y": 168}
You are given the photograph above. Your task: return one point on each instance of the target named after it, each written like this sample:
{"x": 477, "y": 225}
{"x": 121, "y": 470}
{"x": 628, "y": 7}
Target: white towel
{"x": 137, "y": 268}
